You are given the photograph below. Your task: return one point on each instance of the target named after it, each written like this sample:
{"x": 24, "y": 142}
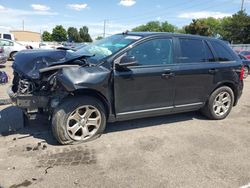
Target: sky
{"x": 120, "y": 15}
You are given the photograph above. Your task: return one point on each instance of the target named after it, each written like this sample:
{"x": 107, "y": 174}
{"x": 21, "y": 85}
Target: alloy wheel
{"x": 222, "y": 103}
{"x": 83, "y": 122}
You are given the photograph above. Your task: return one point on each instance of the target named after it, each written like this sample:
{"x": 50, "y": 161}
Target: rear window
{"x": 222, "y": 54}
{"x": 7, "y": 36}
{"x": 194, "y": 51}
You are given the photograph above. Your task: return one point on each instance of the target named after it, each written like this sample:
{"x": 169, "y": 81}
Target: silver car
{"x": 11, "y": 48}
{"x": 3, "y": 57}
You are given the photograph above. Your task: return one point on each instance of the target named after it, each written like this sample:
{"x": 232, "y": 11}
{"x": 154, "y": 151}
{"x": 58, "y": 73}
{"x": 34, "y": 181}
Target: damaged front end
{"x": 35, "y": 85}
{"x": 35, "y": 95}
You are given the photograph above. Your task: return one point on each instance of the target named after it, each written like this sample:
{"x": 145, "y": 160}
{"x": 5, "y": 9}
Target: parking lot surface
{"x": 183, "y": 150}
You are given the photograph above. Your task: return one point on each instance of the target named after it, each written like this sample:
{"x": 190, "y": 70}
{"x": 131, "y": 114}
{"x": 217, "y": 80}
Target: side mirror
{"x": 127, "y": 60}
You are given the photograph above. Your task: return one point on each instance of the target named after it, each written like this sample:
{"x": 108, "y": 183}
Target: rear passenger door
{"x": 194, "y": 78}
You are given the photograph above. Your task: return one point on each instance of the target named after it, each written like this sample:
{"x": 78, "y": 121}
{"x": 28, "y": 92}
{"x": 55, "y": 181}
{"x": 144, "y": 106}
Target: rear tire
{"x": 246, "y": 72}
{"x": 78, "y": 119}
{"x": 219, "y": 104}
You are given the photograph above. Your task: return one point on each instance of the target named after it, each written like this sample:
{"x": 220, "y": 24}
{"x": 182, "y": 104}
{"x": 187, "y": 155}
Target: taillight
{"x": 242, "y": 73}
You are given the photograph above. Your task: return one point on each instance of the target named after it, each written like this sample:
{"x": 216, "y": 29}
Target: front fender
{"x": 75, "y": 78}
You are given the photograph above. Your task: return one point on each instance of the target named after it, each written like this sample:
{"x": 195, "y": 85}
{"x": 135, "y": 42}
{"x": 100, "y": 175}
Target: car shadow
{"x": 12, "y": 121}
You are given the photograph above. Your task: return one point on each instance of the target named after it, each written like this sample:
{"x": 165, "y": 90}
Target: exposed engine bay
{"x": 43, "y": 79}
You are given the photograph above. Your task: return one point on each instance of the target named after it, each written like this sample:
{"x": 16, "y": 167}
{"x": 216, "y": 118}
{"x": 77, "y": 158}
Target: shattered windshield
{"x": 107, "y": 46}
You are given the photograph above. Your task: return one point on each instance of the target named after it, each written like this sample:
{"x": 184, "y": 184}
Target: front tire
{"x": 12, "y": 56}
{"x": 219, "y": 104}
{"x": 78, "y": 119}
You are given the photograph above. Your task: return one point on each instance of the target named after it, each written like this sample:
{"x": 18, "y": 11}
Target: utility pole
{"x": 23, "y": 25}
{"x": 104, "y": 28}
{"x": 242, "y": 5}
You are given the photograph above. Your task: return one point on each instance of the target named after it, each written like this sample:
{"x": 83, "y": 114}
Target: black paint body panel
{"x": 138, "y": 92}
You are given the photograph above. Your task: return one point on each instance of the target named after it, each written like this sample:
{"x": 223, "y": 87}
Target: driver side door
{"x": 147, "y": 88}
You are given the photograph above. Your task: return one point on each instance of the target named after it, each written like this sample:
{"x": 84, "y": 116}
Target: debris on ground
{"x": 46, "y": 170}
{"x": 76, "y": 182}
{"x": 44, "y": 147}
{"x": 28, "y": 148}
{"x": 39, "y": 146}
{"x": 12, "y": 168}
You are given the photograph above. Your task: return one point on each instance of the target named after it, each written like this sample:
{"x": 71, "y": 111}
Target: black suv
{"x": 126, "y": 76}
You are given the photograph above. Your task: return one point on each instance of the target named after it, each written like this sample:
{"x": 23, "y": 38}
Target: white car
{"x": 49, "y": 45}
{"x": 3, "y": 57}
{"x": 7, "y": 36}
{"x": 11, "y": 47}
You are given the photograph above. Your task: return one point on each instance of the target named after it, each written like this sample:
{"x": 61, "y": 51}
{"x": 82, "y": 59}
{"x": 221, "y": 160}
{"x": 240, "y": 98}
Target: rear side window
{"x": 7, "y": 36}
{"x": 222, "y": 53}
{"x": 194, "y": 51}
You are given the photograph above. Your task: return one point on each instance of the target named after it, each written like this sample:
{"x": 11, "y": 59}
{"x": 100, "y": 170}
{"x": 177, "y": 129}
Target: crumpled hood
{"x": 29, "y": 62}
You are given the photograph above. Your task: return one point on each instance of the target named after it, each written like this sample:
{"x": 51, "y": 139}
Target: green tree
{"x": 84, "y": 34}
{"x": 73, "y": 35}
{"x": 213, "y": 24}
{"x": 156, "y": 26}
{"x": 59, "y": 34}
{"x": 46, "y": 36}
{"x": 198, "y": 27}
{"x": 236, "y": 28}
{"x": 167, "y": 27}
{"x": 180, "y": 30}
{"x": 99, "y": 38}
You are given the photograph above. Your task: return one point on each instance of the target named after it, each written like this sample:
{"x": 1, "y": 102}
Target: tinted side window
{"x": 153, "y": 52}
{"x": 7, "y": 36}
{"x": 221, "y": 52}
{"x": 194, "y": 51}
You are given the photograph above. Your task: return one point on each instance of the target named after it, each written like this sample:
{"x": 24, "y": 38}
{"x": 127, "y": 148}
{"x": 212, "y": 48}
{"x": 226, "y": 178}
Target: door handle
{"x": 168, "y": 75}
{"x": 212, "y": 71}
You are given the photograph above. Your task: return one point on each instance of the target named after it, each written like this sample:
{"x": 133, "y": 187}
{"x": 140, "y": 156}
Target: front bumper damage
{"x": 28, "y": 101}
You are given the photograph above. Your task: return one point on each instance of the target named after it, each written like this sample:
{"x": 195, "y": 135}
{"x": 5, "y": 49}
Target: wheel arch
{"x": 95, "y": 94}
{"x": 230, "y": 85}
{"x": 10, "y": 56}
